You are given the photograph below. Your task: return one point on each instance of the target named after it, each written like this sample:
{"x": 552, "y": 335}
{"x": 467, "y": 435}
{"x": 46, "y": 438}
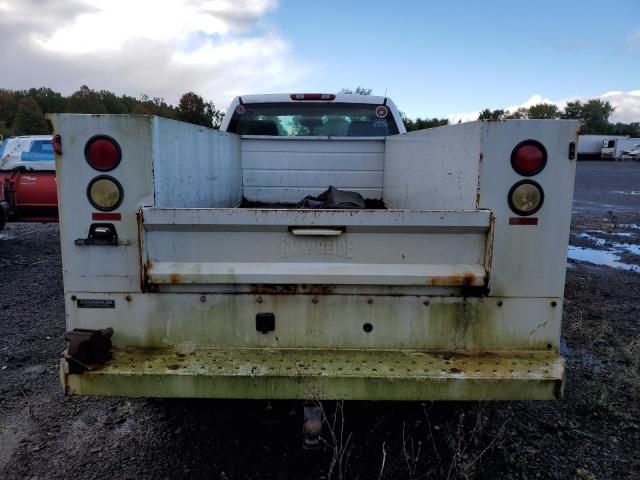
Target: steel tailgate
{"x": 290, "y": 246}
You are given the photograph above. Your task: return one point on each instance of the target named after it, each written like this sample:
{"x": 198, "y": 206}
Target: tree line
{"x": 22, "y": 112}
{"x": 593, "y": 114}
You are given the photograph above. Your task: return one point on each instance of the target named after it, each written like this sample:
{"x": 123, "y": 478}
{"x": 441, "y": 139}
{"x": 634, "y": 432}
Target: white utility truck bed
{"x": 191, "y": 270}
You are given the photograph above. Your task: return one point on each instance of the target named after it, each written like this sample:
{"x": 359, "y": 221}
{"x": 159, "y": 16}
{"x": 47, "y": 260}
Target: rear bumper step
{"x": 322, "y": 374}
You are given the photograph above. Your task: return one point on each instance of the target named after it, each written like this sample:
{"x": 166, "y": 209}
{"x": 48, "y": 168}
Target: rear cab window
{"x": 313, "y": 119}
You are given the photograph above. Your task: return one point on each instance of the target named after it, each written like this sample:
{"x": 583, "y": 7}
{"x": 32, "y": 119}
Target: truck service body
{"x": 184, "y": 250}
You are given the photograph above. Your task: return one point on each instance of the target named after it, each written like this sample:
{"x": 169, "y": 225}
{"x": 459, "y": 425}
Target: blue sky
{"x": 437, "y": 58}
{"x": 445, "y": 59}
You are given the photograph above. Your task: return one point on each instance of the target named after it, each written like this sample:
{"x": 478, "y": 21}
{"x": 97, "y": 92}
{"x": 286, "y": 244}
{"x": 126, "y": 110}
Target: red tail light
{"x": 529, "y": 158}
{"x": 312, "y": 96}
{"x": 103, "y": 153}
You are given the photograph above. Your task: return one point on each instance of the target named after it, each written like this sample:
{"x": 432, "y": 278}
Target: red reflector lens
{"x": 523, "y": 221}
{"x": 102, "y": 153}
{"x": 103, "y": 216}
{"x": 529, "y": 158}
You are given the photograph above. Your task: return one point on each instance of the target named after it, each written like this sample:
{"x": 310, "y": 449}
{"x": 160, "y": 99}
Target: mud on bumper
{"x": 322, "y": 374}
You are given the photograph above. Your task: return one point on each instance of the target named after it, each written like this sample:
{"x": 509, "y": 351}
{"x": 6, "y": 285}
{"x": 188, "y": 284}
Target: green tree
{"x": 140, "y": 109}
{"x": 49, "y": 100}
{"x": 573, "y": 110}
{"x": 593, "y": 115}
{"x": 129, "y": 102}
{"x": 544, "y": 111}
{"x": 112, "y": 103}
{"x": 152, "y": 106}
{"x": 216, "y": 115}
{"x": 162, "y": 109}
{"x": 85, "y": 100}
{"x": 29, "y": 118}
{"x": 193, "y": 108}
{"x": 422, "y": 123}
{"x": 8, "y": 109}
{"x": 488, "y": 114}
{"x": 631, "y": 129}
{"x": 519, "y": 114}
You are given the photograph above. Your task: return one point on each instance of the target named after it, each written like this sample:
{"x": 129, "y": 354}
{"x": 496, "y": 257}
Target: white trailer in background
{"x": 190, "y": 272}
{"x": 590, "y": 146}
{"x": 616, "y": 148}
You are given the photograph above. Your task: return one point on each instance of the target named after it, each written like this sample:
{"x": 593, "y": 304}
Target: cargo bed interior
{"x": 428, "y": 170}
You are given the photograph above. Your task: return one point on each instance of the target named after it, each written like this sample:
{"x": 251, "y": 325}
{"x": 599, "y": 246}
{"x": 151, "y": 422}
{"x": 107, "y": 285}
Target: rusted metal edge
{"x": 279, "y": 273}
{"x": 488, "y": 250}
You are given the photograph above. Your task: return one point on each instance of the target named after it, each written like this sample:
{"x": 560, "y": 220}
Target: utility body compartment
{"x": 218, "y": 285}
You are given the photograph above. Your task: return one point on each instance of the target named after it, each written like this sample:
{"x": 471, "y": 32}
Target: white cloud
{"x": 218, "y": 48}
{"x": 113, "y": 22}
{"x": 533, "y": 100}
{"x": 463, "y": 116}
{"x": 627, "y": 105}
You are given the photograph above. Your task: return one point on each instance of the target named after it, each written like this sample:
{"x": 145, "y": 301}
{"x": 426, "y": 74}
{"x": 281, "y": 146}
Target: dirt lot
{"x": 594, "y": 432}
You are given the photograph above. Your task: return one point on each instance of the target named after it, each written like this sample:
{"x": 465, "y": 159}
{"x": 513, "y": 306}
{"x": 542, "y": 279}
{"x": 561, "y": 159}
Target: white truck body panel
{"x": 433, "y": 169}
{"x": 182, "y": 153}
{"x": 445, "y": 268}
{"x": 276, "y": 170}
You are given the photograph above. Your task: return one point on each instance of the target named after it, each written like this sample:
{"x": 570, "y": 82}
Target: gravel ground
{"x": 594, "y": 432}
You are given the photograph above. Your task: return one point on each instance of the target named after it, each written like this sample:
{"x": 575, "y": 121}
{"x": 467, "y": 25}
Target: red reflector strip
{"x": 523, "y": 221}
{"x": 106, "y": 216}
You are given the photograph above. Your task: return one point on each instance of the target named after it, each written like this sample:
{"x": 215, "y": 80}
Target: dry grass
{"x": 337, "y": 440}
